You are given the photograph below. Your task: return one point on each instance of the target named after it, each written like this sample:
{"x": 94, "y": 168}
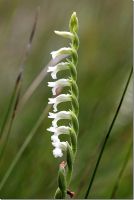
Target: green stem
{"x": 107, "y": 135}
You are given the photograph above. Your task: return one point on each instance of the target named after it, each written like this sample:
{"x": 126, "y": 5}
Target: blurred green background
{"x": 105, "y": 59}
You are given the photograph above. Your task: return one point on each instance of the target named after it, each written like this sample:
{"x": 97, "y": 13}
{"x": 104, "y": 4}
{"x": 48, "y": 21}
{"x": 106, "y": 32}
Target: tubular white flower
{"x": 59, "y": 130}
{"x": 59, "y": 99}
{"x": 58, "y": 116}
{"x": 60, "y": 83}
{"x": 65, "y": 34}
{"x": 59, "y": 67}
{"x": 64, "y": 50}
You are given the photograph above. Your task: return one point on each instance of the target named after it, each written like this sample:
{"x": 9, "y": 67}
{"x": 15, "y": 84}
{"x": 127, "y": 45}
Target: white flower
{"x": 55, "y": 138}
{"x": 64, "y": 50}
{"x": 65, "y": 34}
{"x": 57, "y": 84}
{"x": 59, "y": 99}
{"x": 59, "y": 67}
{"x": 59, "y": 146}
{"x": 59, "y": 130}
{"x": 58, "y": 116}
{"x": 57, "y": 152}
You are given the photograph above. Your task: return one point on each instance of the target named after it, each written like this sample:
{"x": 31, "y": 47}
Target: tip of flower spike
{"x": 74, "y": 14}
{"x": 73, "y": 25}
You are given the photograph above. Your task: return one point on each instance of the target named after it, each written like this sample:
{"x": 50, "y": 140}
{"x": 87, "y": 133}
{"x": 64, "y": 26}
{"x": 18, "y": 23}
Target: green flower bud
{"x": 62, "y": 180}
{"x": 73, "y": 25}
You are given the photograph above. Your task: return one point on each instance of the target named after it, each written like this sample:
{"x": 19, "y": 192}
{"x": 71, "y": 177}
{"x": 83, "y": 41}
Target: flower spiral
{"x": 69, "y": 146}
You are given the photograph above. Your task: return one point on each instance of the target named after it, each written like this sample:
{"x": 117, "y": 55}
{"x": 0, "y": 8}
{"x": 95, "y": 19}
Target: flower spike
{"x": 68, "y": 146}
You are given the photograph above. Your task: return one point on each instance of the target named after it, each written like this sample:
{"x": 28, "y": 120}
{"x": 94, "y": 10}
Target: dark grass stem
{"x": 107, "y": 136}
{"x": 13, "y": 105}
{"x": 117, "y": 182}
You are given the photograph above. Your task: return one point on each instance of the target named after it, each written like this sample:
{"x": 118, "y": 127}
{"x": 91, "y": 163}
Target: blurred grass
{"x": 105, "y": 58}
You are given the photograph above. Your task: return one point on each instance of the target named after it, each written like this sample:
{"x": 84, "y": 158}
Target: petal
{"x": 55, "y": 139}
{"x": 60, "y": 83}
{"x": 59, "y": 130}
{"x": 65, "y": 34}
{"x": 57, "y": 152}
{"x": 52, "y": 100}
{"x": 64, "y": 50}
{"x": 56, "y": 144}
{"x": 51, "y": 129}
{"x": 63, "y": 145}
{"x": 63, "y": 130}
{"x": 59, "y": 99}
{"x": 51, "y": 115}
{"x": 51, "y": 69}
{"x": 60, "y": 115}
{"x": 51, "y": 84}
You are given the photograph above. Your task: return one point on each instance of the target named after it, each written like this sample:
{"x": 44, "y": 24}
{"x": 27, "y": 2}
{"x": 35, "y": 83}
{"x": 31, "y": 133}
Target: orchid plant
{"x": 71, "y": 115}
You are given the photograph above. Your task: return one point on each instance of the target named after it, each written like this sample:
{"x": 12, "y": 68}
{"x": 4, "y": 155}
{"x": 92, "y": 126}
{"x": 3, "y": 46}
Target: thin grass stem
{"x": 107, "y": 136}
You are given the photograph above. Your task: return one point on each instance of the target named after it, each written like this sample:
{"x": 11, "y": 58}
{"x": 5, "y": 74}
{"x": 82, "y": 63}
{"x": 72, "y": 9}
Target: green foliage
{"x": 105, "y": 59}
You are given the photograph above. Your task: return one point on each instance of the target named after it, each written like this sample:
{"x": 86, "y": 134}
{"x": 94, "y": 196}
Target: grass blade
{"x": 107, "y": 136}
{"x": 13, "y": 105}
{"x": 23, "y": 147}
{"x": 117, "y": 182}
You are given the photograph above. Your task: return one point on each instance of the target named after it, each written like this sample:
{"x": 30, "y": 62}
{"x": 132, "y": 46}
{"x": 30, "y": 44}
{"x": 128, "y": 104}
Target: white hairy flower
{"x": 59, "y": 67}
{"x": 65, "y": 34}
{"x": 57, "y": 152}
{"x": 58, "y": 84}
{"x": 55, "y": 139}
{"x": 59, "y": 146}
{"x": 58, "y": 116}
{"x": 59, "y": 130}
{"x": 59, "y": 99}
{"x": 64, "y": 50}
